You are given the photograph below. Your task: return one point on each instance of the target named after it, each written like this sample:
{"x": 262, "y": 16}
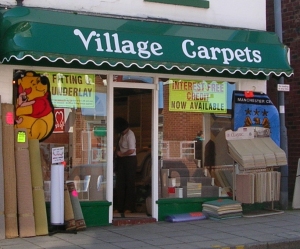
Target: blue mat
{"x": 185, "y": 217}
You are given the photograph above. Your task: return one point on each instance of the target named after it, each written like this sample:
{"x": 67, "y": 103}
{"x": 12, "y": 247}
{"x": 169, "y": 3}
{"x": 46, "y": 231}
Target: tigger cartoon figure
{"x": 34, "y": 109}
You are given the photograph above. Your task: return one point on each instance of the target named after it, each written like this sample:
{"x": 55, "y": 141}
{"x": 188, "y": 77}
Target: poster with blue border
{"x": 255, "y": 109}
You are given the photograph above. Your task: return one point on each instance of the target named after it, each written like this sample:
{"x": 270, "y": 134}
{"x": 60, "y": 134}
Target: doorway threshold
{"x": 121, "y": 219}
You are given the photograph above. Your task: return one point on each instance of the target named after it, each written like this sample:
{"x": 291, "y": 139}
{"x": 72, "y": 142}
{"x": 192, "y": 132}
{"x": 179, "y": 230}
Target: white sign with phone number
{"x": 58, "y": 155}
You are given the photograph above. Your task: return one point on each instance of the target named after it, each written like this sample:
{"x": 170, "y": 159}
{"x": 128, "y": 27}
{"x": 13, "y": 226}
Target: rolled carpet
{"x": 9, "y": 172}
{"x": 2, "y": 220}
{"x": 79, "y": 219}
{"x": 39, "y": 204}
{"x": 68, "y": 211}
{"x": 24, "y": 185}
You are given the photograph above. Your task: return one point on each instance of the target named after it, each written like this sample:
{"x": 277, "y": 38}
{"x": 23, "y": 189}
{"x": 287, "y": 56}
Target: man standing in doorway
{"x": 125, "y": 168}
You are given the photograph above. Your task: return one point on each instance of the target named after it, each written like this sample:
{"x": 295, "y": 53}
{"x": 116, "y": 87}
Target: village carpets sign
{"x": 113, "y": 43}
{"x": 197, "y": 96}
{"x": 71, "y": 90}
{"x": 148, "y": 45}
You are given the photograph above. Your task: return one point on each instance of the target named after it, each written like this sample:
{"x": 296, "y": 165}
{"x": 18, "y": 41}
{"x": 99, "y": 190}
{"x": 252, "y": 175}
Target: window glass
{"x": 193, "y": 114}
{"x": 71, "y": 111}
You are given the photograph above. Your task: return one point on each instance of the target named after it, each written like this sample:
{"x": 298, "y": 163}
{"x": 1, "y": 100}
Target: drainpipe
{"x": 281, "y": 106}
{"x": 19, "y": 2}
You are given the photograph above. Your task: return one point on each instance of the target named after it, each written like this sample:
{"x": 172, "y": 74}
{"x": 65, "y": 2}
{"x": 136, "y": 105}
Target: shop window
{"x": 76, "y": 105}
{"x": 192, "y": 3}
{"x": 194, "y": 115}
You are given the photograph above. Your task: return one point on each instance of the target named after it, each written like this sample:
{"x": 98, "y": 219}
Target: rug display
{"x": 9, "y": 172}
{"x": 39, "y": 205}
{"x": 24, "y": 185}
{"x": 245, "y": 188}
{"x": 222, "y": 209}
{"x": 258, "y": 187}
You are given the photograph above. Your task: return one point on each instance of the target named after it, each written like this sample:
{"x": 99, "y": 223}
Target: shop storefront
{"x": 172, "y": 82}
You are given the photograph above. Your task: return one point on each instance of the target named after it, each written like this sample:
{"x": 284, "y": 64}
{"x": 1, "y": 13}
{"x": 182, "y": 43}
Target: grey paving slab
{"x": 202, "y": 231}
{"x": 220, "y": 236}
{"x": 289, "y": 235}
{"x": 191, "y": 238}
{"x": 133, "y": 244}
{"x": 19, "y": 247}
{"x": 161, "y": 241}
{"x": 101, "y": 245}
{"x": 116, "y": 238}
{"x": 16, "y": 241}
{"x": 276, "y": 231}
{"x": 267, "y": 238}
{"x": 246, "y": 233}
{"x": 209, "y": 244}
{"x": 237, "y": 241}
{"x": 180, "y": 246}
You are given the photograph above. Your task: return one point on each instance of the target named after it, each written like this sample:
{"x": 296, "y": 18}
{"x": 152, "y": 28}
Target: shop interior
{"x": 190, "y": 151}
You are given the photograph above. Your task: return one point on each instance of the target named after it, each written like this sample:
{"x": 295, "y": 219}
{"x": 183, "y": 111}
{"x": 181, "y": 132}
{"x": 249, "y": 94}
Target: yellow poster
{"x": 197, "y": 96}
{"x": 71, "y": 90}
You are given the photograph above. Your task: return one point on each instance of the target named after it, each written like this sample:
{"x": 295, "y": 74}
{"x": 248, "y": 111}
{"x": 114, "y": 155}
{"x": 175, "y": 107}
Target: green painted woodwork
{"x": 74, "y": 40}
{"x": 95, "y": 213}
{"x": 192, "y": 3}
{"x": 169, "y": 206}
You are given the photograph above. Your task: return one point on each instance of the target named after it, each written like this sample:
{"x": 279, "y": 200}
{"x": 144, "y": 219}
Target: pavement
{"x": 278, "y": 231}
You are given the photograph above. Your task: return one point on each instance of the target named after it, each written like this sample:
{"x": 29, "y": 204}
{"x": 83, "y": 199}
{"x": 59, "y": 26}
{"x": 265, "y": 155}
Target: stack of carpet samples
{"x": 222, "y": 209}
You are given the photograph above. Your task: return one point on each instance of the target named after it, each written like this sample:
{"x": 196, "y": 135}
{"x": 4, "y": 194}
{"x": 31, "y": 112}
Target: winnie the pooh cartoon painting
{"x": 34, "y": 109}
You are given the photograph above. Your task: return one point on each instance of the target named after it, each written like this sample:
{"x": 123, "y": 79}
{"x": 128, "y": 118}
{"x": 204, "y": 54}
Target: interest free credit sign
{"x": 197, "y": 96}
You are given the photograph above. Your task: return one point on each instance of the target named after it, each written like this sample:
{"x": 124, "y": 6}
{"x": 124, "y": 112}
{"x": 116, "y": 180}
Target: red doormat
{"x": 131, "y": 219}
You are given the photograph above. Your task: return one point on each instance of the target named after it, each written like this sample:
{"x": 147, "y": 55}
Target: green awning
{"x": 36, "y": 34}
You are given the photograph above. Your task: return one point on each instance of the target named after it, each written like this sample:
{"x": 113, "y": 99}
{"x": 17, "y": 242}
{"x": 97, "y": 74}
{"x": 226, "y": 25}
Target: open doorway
{"x": 135, "y": 105}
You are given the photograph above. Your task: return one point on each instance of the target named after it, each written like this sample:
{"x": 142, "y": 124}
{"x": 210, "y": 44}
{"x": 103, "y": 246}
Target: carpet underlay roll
{"x": 164, "y": 175}
{"x": 39, "y": 204}
{"x": 9, "y": 172}
{"x": 24, "y": 185}
{"x": 57, "y": 194}
{"x": 68, "y": 211}
{"x": 2, "y": 220}
{"x": 79, "y": 219}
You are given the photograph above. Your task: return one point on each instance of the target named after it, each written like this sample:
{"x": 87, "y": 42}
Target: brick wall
{"x": 291, "y": 38}
{"x": 180, "y": 126}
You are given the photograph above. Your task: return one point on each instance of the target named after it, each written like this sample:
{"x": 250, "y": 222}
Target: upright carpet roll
{"x": 57, "y": 194}
{"x": 24, "y": 184}
{"x": 2, "y": 220}
{"x": 39, "y": 204}
{"x": 69, "y": 213}
{"x": 79, "y": 220}
{"x": 9, "y": 172}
